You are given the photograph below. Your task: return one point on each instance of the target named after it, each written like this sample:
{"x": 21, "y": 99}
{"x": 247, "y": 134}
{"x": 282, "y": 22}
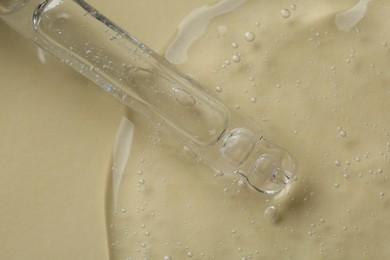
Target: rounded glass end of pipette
{"x": 267, "y": 167}
{"x": 272, "y": 171}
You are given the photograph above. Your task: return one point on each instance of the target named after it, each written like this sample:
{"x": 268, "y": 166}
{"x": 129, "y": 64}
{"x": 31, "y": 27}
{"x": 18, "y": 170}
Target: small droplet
{"x": 253, "y": 100}
{"x": 167, "y": 257}
{"x": 190, "y": 254}
{"x": 336, "y": 185}
{"x": 141, "y": 181}
{"x": 234, "y": 45}
{"x": 218, "y": 89}
{"x": 285, "y": 13}
{"x": 249, "y": 36}
{"x": 337, "y": 163}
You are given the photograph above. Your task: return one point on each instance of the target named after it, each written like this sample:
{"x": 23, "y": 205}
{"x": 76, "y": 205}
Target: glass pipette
{"x": 91, "y": 44}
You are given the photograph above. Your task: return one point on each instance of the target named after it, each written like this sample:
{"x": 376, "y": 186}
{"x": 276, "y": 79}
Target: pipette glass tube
{"x": 91, "y": 44}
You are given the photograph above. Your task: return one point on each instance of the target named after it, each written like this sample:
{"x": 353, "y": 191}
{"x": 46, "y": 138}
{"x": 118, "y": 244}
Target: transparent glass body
{"x": 94, "y": 46}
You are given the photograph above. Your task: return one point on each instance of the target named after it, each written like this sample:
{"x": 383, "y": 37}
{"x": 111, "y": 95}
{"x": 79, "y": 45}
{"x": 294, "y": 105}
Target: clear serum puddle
{"x": 292, "y": 77}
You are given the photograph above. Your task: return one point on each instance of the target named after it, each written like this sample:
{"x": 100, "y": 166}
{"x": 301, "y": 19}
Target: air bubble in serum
{"x": 183, "y": 97}
{"x": 242, "y": 183}
{"x": 271, "y": 213}
{"x": 236, "y": 58}
{"x": 249, "y": 36}
{"x": 285, "y": 13}
{"x": 343, "y": 133}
